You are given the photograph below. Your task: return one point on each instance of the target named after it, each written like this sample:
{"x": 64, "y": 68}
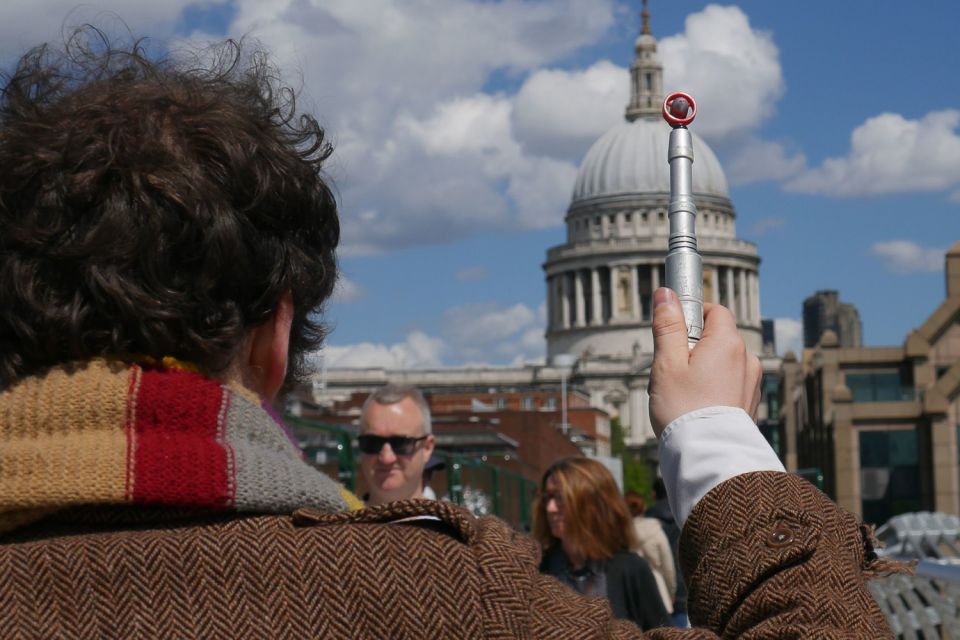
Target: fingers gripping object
{"x": 684, "y": 268}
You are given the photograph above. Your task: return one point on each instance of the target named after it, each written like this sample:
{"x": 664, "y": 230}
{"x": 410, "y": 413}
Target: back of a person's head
{"x": 154, "y": 207}
{"x": 635, "y": 503}
{"x": 596, "y": 520}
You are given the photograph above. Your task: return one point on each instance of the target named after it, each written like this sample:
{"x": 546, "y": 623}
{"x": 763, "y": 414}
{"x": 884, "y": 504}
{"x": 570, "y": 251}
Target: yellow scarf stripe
{"x": 56, "y": 445}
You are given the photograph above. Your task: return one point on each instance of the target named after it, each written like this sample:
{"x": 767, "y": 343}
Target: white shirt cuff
{"x": 703, "y": 448}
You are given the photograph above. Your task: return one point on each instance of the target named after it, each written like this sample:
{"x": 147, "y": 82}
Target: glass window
{"x": 501, "y": 403}
{"x": 550, "y": 404}
{"x": 885, "y": 386}
{"x": 527, "y": 404}
{"x": 770, "y": 394}
{"x": 889, "y": 474}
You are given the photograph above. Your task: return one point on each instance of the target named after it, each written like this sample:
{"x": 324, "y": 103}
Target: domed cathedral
{"x": 600, "y": 283}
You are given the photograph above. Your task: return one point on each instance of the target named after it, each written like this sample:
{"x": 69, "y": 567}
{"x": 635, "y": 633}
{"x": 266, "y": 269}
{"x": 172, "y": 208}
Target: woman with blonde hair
{"x": 586, "y": 532}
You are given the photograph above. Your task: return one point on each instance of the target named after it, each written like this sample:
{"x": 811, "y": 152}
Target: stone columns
{"x": 614, "y": 312}
{"x": 564, "y": 301}
{"x": 654, "y": 278}
{"x": 792, "y": 378}
{"x": 551, "y": 304}
{"x": 742, "y": 314}
{"x": 578, "y": 298}
{"x": 595, "y": 291}
{"x": 635, "y": 312}
{"x": 641, "y": 429}
{"x": 846, "y": 447}
{"x": 715, "y": 284}
{"x": 731, "y": 299}
{"x": 747, "y": 278}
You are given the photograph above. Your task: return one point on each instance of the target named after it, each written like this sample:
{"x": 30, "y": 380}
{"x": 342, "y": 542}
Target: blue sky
{"x": 459, "y": 126}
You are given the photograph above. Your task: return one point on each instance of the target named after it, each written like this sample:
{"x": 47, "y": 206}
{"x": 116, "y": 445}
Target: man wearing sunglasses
{"x": 395, "y": 443}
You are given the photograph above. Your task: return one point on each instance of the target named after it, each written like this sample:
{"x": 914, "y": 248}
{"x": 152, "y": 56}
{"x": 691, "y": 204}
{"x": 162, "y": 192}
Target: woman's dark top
{"x": 625, "y": 580}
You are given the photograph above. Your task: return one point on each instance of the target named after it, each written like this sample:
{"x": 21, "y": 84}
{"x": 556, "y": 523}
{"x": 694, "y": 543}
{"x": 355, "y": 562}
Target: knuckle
{"x": 725, "y": 312}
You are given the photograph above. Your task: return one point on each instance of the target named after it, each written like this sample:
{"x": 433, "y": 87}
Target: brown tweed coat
{"x": 765, "y": 554}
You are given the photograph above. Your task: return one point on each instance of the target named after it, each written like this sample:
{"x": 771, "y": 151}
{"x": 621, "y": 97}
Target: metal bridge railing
{"x": 926, "y": 604}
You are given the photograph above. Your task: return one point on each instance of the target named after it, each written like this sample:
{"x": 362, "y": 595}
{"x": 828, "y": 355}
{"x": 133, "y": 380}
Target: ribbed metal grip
{"x": 684, "y": 267}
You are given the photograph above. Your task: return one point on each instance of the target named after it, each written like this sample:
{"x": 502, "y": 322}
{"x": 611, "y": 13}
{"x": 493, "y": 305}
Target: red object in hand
{"x": 679, "y": 109}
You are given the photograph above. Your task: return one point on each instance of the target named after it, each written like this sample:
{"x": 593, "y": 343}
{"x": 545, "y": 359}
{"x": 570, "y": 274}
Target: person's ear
{"x": 428, "y": 445}
{"x": 269, "y": 348}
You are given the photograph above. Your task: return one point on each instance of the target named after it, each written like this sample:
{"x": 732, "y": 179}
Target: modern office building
{"x": 881, "y": 423}
{"x": 823, "y": 312}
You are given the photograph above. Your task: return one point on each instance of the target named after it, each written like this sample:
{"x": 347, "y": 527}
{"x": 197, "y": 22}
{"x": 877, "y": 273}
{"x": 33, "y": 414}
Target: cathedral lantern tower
{"x": 600, "y": 282}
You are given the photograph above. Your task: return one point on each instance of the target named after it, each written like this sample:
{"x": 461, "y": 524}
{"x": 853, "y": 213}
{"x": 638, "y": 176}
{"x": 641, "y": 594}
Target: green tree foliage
{"x": 637, "y": 473}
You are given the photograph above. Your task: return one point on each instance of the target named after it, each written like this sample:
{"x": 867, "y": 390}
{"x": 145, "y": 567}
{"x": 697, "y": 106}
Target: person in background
{"x": 653, "y": 546}
{"x": 660, "y": 511}
{"x": 395, "y": 443}
{"x": 584, "y": 527}
{"x": 167, "y": 242}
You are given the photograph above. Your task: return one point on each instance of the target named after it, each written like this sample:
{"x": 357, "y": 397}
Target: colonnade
{"x": 618, "y": 293}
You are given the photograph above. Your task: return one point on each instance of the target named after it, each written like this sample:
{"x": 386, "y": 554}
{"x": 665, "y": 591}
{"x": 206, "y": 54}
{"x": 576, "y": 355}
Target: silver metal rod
{"x": 684, "y": 267}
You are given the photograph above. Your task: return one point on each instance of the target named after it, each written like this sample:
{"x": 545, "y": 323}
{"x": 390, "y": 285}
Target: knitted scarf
{"x": 111, "y": 433}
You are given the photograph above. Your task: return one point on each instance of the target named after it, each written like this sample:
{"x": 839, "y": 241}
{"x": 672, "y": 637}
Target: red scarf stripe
{"x": 177, "y": 459}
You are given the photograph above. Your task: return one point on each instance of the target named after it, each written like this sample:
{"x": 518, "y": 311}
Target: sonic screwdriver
{"x": 684, "y": 267}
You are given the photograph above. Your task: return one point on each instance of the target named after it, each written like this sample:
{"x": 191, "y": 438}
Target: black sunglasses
{"x": 400, "y": 445}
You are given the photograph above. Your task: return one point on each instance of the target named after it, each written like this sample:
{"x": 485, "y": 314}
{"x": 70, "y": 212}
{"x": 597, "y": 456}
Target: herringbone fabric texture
{"x": 766, "y": 555}
{"x": 430, "y": 570}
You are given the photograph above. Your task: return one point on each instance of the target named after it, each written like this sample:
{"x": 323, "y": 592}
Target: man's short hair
{"x": 150, "y": 207}
{"x": 394, "y": 393}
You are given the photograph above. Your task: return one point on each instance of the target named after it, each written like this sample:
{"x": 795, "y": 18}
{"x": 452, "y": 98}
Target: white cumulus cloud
{"x": 561, "y": 113}
{"x": 788, "y": 333}
{"x": 730, "y": 68}
{"x": 422, "y": 154}
{"x": 24, "y": 25}
{"x": 477, "y": 125}
{"x": 469, "y": 335}
{"x": 486, "y": 324}
{"x": 417, "y": 351}
{"x": 904, "y": 256}
{"x": 891, "y": 154}
{"x": 348, "y": 290}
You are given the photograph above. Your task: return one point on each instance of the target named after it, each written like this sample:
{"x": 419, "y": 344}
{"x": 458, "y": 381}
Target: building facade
{"x": 881, "y": 423}
{"x": 823, "y": 311}
{"x": 600, "y": 282}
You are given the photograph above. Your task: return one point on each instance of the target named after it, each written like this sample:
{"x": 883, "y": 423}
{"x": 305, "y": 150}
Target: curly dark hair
{"x": 151, "y": 207}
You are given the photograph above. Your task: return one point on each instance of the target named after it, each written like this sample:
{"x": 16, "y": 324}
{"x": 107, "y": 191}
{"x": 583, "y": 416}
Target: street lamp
{"x": 564, "y": 362}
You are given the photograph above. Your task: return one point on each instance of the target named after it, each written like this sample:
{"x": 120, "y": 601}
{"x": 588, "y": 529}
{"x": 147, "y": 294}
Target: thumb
{"x": 669, "y": 328}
